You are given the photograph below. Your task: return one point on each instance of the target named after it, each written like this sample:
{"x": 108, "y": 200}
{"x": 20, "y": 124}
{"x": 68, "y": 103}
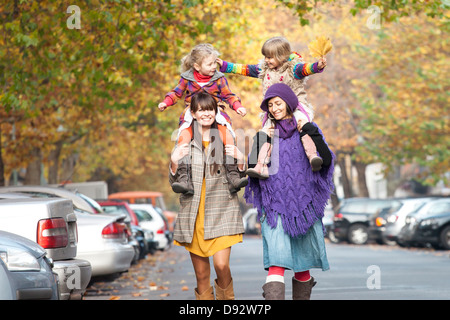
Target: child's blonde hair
{"x": 278, "y": 48}
{"x": 197, "y": 54}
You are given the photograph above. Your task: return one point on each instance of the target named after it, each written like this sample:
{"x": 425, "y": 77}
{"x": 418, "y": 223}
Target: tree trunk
{"x": 33, "y": 175}
{"x": 2, "y": 166}
{"x": 54, "y": 163}
{"x": 362, "y": 184}
{"x": 345, "y": 179}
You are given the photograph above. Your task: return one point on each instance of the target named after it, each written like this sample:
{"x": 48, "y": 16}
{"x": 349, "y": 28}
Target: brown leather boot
{"x": 274, "y": 290}
{"x": 184, "y": 181}
{"x": 261, "y": 171}
{"x": 311, "y": 153}
{"x": 302, "y": 290}
{"x": 224, "y": 294}
{"x": 208, "y": 294}
{"x": 234, "y": 177}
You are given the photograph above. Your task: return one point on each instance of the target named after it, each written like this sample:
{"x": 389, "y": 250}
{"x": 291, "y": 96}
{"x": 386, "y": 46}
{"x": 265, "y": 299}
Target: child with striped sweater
{"x": 281, "y": 65}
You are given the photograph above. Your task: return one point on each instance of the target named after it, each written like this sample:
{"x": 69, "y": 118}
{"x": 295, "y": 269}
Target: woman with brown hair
{"x": 209, "y": 221}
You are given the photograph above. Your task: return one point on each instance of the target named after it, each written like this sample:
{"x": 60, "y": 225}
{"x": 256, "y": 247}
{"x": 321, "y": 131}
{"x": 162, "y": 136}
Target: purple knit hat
{"x": 284, "y": 92}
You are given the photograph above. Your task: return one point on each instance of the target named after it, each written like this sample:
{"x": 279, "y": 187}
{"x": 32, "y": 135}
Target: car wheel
{"x": 358, "y": 234}
{"x": 445, "y": 238}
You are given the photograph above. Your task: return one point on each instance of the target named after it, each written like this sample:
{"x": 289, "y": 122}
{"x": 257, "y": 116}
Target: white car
{"x": 102, "y": 238}
{"x": 150, "y": 219}
{"x": 52, "y": 224}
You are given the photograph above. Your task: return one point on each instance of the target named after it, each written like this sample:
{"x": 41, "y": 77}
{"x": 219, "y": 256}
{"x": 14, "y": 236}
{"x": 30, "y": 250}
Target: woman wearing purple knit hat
{"x": 290, "y": 202}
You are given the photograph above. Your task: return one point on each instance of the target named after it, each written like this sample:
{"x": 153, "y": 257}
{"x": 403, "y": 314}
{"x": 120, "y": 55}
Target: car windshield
{"x": 142, "y": 215}
{"x": 115, "y": 209}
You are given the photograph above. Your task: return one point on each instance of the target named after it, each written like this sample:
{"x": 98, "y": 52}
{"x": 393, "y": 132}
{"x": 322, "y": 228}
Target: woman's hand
{"x": 269, "y": 131}
{"x": 179, "y": 153}
{"x": 233, "y": 151}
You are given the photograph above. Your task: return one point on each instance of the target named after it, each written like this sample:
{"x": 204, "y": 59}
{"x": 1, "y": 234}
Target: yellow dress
{"x": 200, "y": 246}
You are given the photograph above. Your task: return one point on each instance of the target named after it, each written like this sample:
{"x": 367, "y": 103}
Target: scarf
{"x": 293, "y": 192}
{"x": 286, "y": 128}
{"x": 201, "y": 78}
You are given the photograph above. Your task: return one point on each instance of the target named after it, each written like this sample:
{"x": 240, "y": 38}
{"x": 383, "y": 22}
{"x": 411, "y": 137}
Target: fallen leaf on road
{"x": 164, "y": 294}
{"x": 114, "y": 298}
{"x": 184, "y": 288}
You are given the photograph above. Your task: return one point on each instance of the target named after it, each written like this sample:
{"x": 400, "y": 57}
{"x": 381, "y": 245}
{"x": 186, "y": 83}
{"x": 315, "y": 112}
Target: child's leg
{"x": 185, "y": 136}
{"x": 260, "y": 156}
{"x": 308, "y": 144}
{"x": 311, "y": 152}
{"x": 184, "y": 184}
{"x": 236, "y": 179}
{"x": 321, "y": 146}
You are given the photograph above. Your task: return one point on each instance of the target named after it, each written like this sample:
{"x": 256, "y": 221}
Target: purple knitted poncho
{"x": 294, "y": 188}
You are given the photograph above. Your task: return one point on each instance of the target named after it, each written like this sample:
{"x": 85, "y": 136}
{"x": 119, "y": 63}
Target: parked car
{"x": 251, "y": 222}
{"x": 122, "y": 207}
{"x": 151, "y": 197}
{"x": 434, "y": 230}
{"x": 427, "y": 225}
{"x": 25, "y": 270}
{"x": 106, "y": 254}
{"x": 52, "y": 224}
{"x": 391, "y": 221}
{"x": 103, "y": 241}
{"x": 153, "y": 222}
{"x": 351, "y": 221}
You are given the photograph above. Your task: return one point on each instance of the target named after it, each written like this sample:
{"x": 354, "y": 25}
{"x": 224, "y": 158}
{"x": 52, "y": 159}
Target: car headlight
{"x": 410, "y": 220}
{"x": 19, "y": 260}
{"x": 428, "y": 223}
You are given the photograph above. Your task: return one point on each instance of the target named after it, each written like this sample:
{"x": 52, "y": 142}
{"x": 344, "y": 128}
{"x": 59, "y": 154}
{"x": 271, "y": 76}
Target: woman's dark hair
{"x": 203, "y": 100}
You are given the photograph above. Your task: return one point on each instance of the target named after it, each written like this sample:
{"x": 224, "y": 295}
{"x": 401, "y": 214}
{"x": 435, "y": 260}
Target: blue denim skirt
{"x": 297, "y": 254}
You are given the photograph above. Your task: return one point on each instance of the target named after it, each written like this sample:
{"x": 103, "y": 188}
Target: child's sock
{"x": 302, "y": 276}
{"x": 275, "y": 274}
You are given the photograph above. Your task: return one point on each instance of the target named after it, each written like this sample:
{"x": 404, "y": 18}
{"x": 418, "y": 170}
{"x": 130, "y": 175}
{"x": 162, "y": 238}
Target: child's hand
{"x": 322, "y": 63}
{"x": 241, "y": 111}
{"x": 219, "y": 62}
{"x": 162, "y": 106}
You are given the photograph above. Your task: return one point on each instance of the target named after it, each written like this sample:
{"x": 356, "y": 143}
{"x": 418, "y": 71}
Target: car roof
{"x": 78, "y": 202}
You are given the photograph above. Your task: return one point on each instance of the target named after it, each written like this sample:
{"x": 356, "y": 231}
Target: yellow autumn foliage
{"x": 320, "y": 47}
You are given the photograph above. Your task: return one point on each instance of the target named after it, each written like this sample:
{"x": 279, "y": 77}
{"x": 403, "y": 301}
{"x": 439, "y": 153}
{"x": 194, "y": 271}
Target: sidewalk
{"x": 158, "y": 276}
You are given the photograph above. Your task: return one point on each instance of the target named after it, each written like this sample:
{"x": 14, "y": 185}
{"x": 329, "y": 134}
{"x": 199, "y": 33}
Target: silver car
{"x": 52, "y": 224}
{"x": 102, "y": 239}
{"x": 25, "y": 271}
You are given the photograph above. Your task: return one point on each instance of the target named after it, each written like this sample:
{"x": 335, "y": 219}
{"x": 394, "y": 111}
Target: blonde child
{"x": 281, "y": 65}
{"x": 199, "y": 74}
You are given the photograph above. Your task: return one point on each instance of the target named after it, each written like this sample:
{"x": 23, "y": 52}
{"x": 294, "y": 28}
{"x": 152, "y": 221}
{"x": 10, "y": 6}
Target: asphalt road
{"x": 368, "y": 272}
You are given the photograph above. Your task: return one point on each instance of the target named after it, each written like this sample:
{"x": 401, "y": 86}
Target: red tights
{"x": 279, "y": 271}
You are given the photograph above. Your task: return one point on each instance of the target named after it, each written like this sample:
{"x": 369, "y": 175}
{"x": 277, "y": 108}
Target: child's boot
{"x": 311, "y": 153}
{"x": 261, "y": 171}
{"x": 234, "y": 177}
{"x": 184, "y": 182}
